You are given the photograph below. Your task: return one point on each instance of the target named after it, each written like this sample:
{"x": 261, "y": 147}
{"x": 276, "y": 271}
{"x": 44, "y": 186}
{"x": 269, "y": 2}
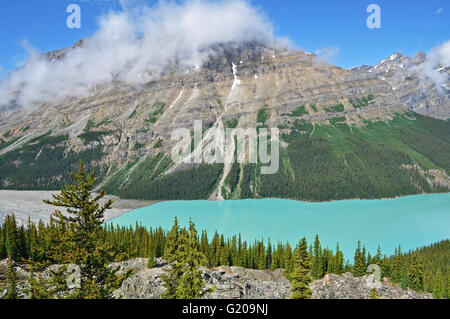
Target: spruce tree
{"x": 12, "y": 279}
{"x": 300, "y": 277}
{"x": 183, "y": 280}
{"x": 38, "y": 289}
{"x": 317, "y": 271}
{"x": 359, "y": 263}
{"x": 288, "y": 262}
{"x": 83, "y": 237}
{"x": 397, "y": 266}
{"x": 12, "y": 239}
{"x": 171, "y": 244}
{"x": 415, "y": 274}
{"x": 151, "y": 258}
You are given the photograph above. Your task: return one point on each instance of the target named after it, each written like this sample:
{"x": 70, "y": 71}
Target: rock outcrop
{"x": 231, "y": 283}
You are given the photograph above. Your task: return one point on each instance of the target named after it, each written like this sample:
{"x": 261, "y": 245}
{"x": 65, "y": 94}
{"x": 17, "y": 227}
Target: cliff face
{"x": 238, "y": 283}
{"x": 418, "y": 93}
{"x": 117, "y": 127}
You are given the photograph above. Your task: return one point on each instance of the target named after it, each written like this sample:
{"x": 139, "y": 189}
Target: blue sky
{"x": 407, "y": 26}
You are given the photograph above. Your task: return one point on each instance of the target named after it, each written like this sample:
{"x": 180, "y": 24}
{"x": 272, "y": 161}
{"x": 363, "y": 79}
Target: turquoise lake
{"x": 411, "y": 221}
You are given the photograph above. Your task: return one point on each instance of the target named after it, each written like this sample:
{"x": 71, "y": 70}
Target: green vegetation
{"x": 42, "y": 163}
{"x": 301, "y": 277}
{"x": 138, "y": 146}
{"x": 314, "y": 108}
{"x": 231, "y": 123}
{"x": 5, "y": 144}
{"x": 299, "y": 111}
{"x": 159, "y": 106}
{"x": 358, "y": 103}
{"x": 337, "y": 121}
{"x": 424, "y": 269}
{"x": 335, "y": 109}
{"x": 158, "y": 144}
{"x": 183, "y": 280}
{"x": 83, "y": 244}
{"x": 96, "y": 136}
{"x": 133, "y": 114}
{"x": 191, "y": 184}
{"x": 366, "y": 162}
{"x": 263, "y": 115}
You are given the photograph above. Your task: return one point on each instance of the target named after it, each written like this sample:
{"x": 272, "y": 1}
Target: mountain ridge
{"x": 125, "y": 132}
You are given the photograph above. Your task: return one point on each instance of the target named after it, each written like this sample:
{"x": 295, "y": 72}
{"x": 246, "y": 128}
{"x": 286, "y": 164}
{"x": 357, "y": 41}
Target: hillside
{"x": 345, "y": 133}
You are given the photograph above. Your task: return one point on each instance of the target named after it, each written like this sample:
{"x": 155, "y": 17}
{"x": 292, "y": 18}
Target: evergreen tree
{"x": 404, "y": 278}
{"x": 83, "y": 236}
{"x": 288, "y": 262}
{"x": 37, "y": 286}
{"x": 415, "y": 274}
{"x": 151, "y": 258}
{"x": 397, "y": 266}
{"x": 359, "y": 264}
{"x": 317, "y": 271}
{"x": 12, "y": 238}
{"x": 339, "y": 261}
{"x": 184, "y": 280}
{"x": 300, "y": 277}
{"x": 12, "y": 279}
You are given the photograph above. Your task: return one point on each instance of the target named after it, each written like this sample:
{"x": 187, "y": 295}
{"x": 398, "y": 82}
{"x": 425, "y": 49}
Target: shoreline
{"x": 29, "y": 204}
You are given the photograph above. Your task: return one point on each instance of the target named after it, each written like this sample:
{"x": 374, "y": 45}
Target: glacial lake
{"x": 411, "y": 221}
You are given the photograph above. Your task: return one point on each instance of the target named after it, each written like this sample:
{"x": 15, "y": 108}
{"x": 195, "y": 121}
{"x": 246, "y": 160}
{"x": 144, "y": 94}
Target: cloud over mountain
{"x": 134, "y": 46}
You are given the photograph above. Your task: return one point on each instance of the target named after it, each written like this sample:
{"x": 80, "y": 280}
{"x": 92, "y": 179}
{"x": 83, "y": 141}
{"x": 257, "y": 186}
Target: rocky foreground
{"x": 234, "y": 283}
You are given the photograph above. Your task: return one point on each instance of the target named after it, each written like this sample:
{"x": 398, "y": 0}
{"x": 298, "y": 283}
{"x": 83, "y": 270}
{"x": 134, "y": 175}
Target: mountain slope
{"x": 346, "y": 134}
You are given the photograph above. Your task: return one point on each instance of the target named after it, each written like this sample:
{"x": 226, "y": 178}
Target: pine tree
{"x": 317, "y": 271}
{"x": 288, "y": 262}
{"x": 300, "y": 277}
{"x": 184, "y": 280}
{"x": 12, "y": 238}
{"x": 439, "y": 286}
{"x": 415, "y": 274}
{"x": 37, "y": 286}
{"x": 397, "y": 266}
{"x": 12, "y": 279}
{"x": 359, "y": 264}
{"x": 83, "y": 236}
{"x": 404, "y": 278}
{"x": 339, "y": 261}
{"x": 151, "y": 258}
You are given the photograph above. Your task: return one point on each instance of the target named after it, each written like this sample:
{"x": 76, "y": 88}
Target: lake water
{"x": 411, "y": 221}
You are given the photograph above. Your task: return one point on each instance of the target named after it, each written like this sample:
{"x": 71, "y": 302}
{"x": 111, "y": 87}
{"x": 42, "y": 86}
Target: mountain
{"x": 419, "y": 94}
{"x": 345, "y": 133}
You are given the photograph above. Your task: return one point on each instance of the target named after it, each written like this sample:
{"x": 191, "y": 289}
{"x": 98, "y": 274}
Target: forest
{"x": 425, "y": 269}
{"x": 321, "y": 162}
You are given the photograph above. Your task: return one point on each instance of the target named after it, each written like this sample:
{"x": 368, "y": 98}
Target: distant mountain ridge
{"x": 346, "y": 133}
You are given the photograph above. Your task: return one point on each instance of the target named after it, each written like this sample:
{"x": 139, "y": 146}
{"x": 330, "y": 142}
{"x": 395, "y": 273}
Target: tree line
{"x": 81, "y": 238}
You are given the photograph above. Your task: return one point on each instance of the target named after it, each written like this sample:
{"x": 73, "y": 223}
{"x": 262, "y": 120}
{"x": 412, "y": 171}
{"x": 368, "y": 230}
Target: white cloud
{"x": 437, "y": 57}
{"x": 327, "y": 55}
{"x": 170, "y": 31}
{"x": 439, "y": 11}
